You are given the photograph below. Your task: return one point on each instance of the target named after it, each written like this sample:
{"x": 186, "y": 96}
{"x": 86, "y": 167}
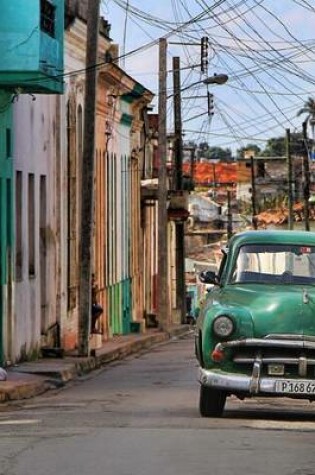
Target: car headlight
{"x": 223, "y": 326}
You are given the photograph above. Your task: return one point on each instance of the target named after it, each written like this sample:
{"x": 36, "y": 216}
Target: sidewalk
{"x": 31, "y": 379}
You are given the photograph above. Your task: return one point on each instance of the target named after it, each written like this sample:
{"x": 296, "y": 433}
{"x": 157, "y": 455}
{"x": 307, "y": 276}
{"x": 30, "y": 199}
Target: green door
{"x": 126, "y": 306}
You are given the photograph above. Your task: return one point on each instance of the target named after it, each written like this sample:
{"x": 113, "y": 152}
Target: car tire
{"x": 211, "y": 402}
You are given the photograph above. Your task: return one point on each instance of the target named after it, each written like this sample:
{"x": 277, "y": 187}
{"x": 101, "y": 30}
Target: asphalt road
{"x": 140, "y": 417}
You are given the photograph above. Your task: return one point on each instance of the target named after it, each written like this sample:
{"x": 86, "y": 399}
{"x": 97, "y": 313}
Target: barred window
{"x": 47, "y": 17}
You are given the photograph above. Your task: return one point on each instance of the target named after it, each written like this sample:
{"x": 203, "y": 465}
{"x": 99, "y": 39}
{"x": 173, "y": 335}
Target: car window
{"x": 276, "y": 263}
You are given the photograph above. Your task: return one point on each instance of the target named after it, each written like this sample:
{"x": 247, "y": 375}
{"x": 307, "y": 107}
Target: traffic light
{"x": 204, "y": 53}
{"x": 210, "y": 104}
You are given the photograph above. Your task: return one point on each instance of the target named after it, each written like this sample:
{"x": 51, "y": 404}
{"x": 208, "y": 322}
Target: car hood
{"x": 273, "y": 310}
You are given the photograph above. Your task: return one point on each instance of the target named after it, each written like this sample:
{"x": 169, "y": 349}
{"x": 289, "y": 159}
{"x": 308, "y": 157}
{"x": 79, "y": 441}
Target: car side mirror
{"x": 208, "y": 277}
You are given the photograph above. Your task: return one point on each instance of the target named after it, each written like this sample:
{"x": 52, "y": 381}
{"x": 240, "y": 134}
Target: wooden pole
{"x": 229, "y": 216}
{"x": 254, "y": 209}
{"x": 180, "y": 235}
{"x": 306, "y": 185}
{"x": 163, "y": 287}
{"x": 290, "y": 178}
{"x": 87, "y": 188}
{"x": 192, "y": 165}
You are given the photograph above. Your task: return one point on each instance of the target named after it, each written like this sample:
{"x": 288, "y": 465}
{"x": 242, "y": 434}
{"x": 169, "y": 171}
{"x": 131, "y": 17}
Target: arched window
{"x": 80, "y": 132}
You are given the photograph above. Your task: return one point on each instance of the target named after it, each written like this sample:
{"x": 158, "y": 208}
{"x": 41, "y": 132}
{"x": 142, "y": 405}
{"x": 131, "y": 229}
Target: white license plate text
{"x": 290, "y": 386}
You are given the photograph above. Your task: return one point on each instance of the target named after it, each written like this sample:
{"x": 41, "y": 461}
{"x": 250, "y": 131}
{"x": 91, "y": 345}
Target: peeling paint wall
{"x": 35, "y": 159}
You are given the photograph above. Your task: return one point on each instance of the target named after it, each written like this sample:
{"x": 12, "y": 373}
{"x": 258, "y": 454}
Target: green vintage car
{"x": 255, "y": 335}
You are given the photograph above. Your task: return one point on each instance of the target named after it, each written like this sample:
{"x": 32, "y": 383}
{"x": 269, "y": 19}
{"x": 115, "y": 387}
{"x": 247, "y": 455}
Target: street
{"x": 140, "y": 417}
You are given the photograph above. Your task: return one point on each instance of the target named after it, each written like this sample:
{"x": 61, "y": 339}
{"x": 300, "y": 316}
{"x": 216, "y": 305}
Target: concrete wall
{"x": 35, "y": 147}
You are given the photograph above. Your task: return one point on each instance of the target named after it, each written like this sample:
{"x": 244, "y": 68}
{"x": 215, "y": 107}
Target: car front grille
{"x": 295, "y": 354}
{"x": 294, "y": 362}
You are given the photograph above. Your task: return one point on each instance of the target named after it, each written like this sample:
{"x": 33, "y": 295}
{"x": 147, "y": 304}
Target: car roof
{"x": 273, "y": 237}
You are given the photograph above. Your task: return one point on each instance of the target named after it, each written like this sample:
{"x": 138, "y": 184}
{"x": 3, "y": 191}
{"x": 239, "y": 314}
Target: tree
{"x": 218, "y": 153}
{"x": 276, "y": 146}
{"x": 309, "y": 110}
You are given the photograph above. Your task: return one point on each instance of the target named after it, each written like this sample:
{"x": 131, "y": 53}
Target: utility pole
{"x": 192, "y": 164}
{"x": 214, "y": 194}
{"x": 88, "y": 165}
{"x": 306, "y": 186}
{"x": 163, "y": 300}
{"x": 254, "y": 210}
{"x": 229, "y": 216}
{"x": 290, "y": 178}
{"x": 180, "y": 235}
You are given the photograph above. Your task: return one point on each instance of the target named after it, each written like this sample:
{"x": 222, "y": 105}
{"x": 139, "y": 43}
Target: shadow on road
{"x": 284, "y": 413}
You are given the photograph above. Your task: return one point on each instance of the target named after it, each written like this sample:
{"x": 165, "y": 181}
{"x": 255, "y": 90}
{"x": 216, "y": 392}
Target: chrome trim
{"x": 225, "y": 381}
{"x": 235, "y": 383}
{"x": 254, "y": 384}
{"x": 270, "y": 360}
{"x": 302, "y": 366}
{"x": 289, "y": 336}
{"x": 266, "y": 343}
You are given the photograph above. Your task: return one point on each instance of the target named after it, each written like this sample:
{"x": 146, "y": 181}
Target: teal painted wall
{"x": 6, "y": 198}
{"x": 114, "y": 310}
{"x": 31, "y": 58}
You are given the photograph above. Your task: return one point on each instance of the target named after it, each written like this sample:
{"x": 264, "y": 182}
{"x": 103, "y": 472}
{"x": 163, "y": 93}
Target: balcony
{"x": 31, "y": 46}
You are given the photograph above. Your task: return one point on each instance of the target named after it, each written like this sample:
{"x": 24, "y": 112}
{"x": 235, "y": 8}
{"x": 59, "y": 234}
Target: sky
{"x": 266, "y": 47}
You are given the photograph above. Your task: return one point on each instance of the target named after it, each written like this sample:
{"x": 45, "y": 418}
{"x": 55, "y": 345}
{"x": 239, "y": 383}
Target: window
{"x": 8, "y": 143}
{"x": 18, "y": 226}
{"x": 47, "y": 17}
{"x": 80, "y": 132}
{"x": 43, "y": 251}
{"x": 9, "y": 211}
{"x": 275, "y": 263}
{"x": 31, "y": 225}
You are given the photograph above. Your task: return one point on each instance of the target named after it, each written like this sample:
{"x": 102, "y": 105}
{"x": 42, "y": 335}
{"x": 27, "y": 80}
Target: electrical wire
{"x": 259, "y": 65}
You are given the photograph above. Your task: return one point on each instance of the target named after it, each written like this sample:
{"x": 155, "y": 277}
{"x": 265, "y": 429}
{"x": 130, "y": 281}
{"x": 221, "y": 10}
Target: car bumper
{"x": 240, "y": 383}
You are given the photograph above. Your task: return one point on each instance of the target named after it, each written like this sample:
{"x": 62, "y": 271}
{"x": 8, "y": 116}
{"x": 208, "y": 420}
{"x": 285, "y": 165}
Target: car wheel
{"x": 212, "y": 401}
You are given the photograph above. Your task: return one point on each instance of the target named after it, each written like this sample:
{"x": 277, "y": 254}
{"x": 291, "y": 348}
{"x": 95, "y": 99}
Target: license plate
{"x": 290, "y": 386}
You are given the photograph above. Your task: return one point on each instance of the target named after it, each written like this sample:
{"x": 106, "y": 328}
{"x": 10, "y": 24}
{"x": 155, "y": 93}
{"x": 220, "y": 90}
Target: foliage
{"x": 214, "y": 153}
{"x": 222, "y": 154}
{"x": 276, "y": 147}
{"x": 309, "y": 110}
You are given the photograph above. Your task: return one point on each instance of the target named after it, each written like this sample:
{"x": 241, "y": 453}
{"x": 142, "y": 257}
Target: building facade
{"x": 31, "y": 48}
{"x": 42, "y": 187}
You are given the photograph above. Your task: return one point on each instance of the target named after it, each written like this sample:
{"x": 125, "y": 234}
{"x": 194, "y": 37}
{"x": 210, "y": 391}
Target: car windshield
{"x": 274, "y": 264}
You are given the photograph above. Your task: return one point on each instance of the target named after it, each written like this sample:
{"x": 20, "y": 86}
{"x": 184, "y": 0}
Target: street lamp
{"x": 215, "y": 79}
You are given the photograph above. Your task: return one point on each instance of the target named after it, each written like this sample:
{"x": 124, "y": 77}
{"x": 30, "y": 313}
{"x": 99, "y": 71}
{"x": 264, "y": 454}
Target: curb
{"x": 22, "y": 390}
{"x": 35, "y": 378}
